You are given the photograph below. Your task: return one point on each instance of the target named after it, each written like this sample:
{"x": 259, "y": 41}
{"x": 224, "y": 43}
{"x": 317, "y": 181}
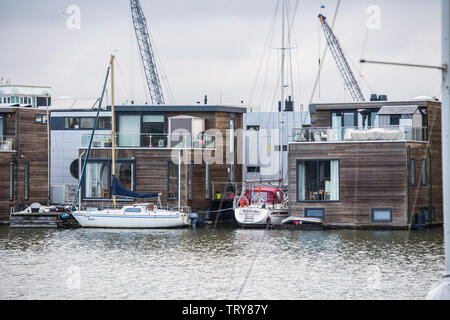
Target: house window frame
{"x": 26, "y": 189}
{"x": 372, "y": 215}
{"x": 317, "y": 209}
{"x": 11, "y": 181}
{"x": 424, "y": 172}
{"x": 319, "y": 201}
{"x": 109, "y": 162}
{"x": 168, "y": 181}
{"x": 412, "y": 172}
{"x": 207, "y": 181}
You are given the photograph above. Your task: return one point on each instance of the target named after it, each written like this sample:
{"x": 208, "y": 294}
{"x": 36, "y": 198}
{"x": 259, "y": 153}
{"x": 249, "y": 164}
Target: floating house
{"x": 151, "y": 141}
{"x": 369, "y": 164}
{"x": 23, "y": 158}
{"x": 72, "y": 120}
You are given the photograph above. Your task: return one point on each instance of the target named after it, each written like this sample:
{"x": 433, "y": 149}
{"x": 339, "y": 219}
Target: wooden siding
{"x": 372, "y": 175}
{"x": 32, "y": 138}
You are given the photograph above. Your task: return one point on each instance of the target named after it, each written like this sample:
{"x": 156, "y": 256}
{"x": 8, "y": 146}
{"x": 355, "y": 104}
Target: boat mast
{"x": 282, "y": 104}
{"x": 113, "y": 129}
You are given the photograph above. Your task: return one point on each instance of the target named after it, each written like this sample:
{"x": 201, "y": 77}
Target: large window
{"x": 153, "y": 127}
{"x": 172, "y": 181}
{"x": 97, "y": 183}
{"x": 87, "y": 123}
{"x": 318, "y": 180}
{"x": 208, "y": 182}
{"x": 129, "y": 130}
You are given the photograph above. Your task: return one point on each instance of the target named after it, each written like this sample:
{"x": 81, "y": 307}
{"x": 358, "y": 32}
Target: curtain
{"x": 334, "y": 183}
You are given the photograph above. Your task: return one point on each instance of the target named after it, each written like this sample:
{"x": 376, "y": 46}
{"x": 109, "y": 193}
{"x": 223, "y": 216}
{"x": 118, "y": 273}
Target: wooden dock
{"x": 42, "y": 220}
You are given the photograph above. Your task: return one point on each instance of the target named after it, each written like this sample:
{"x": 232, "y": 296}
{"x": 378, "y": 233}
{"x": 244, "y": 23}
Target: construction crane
{"x": 146, "y": 52}
{"x": 344, "y": 68}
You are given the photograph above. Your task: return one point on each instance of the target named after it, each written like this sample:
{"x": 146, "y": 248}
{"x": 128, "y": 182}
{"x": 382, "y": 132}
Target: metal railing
{"x": 7, "y": 143}
{"x": 390, "y": 133}
{"x": 150, "y": 140}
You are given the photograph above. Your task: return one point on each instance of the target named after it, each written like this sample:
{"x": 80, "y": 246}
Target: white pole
{"x": 442, "y": 292}
{"x": 282, "y": 93}
{"x": 179, "y": 180}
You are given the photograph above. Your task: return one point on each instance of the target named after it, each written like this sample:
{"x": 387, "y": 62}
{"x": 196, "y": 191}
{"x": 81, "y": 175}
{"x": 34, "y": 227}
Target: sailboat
{"x": 136, "y": 216}
{"x": 269, "y": 205}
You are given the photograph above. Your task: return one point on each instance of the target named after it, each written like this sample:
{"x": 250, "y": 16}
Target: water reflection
{"x": 219, "y": 264}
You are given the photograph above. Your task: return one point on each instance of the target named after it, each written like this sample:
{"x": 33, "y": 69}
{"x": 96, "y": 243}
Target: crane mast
{"x": 344, "y": 68}
{"x": 146, "y": 52}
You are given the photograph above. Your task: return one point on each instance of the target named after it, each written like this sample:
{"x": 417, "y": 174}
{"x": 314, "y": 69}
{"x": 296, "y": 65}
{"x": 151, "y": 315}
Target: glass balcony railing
{"x": 150, "y": 141}
{"x": 7, "y": 143}
{"x": 395, "y": 133}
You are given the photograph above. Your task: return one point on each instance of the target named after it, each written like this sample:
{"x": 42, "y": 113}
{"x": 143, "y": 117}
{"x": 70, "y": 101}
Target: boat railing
{"x": 7, "y": 143}
{"x": 344, "y": 134}
{"x": 150, "y": 140}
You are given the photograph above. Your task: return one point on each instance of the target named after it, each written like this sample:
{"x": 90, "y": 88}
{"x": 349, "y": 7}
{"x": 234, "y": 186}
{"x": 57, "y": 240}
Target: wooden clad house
{"x": 149, "y": 144}
{"x": 23, "y": 158}
{"x": 369, "y": 164}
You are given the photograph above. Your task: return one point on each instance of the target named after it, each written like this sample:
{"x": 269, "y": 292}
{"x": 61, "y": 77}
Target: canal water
{"x": 223, "y": 263}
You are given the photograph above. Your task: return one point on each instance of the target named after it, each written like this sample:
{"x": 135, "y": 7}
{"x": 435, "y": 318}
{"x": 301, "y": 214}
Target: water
{"x": 218, "y": 264}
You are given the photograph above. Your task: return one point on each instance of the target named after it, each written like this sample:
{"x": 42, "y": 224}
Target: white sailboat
{"x": 263, "y": 206}
{"x": 260, "y": 207}
{"x": 136, "y": 216}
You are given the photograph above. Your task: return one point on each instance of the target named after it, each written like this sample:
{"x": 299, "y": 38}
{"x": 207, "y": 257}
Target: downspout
{"x": 409, "y": 188}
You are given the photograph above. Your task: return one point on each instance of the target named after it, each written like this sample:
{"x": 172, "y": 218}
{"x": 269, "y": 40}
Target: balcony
{"x": 7, "y": 143}
{"x": 151, "y": 141}
{"x": 349, "y": 134}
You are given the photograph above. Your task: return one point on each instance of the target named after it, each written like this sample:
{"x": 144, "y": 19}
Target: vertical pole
{"x": 179, "y": 180}
{"x": 282, "y": 93}
{"x": 113, "y": 129}
{"x": 442, "y": 292}
{"x": 446, "y": 128}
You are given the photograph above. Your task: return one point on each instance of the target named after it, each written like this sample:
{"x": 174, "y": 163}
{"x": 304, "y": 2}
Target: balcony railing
{"x": 391, "y": 133}
{"x": 149, "y": 140}
{"x": 7, "y": 143}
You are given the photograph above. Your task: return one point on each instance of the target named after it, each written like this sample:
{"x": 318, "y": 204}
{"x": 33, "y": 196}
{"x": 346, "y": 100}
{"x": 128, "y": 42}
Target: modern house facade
{"x": 369, "y": 164}
{"x": 23, "y": 158}
{"x": 150, "y": 141}
{"x": 71, "y": 120}
{"x": 264, "y": 159}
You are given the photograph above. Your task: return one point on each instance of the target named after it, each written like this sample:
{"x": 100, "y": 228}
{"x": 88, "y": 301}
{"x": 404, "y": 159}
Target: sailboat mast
{"x": 113, "y": 129}
{"x": 282, "y": 104}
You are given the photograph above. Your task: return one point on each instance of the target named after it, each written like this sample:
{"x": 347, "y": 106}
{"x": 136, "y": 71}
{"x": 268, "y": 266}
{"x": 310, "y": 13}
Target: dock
{"x": 42, "y": 220}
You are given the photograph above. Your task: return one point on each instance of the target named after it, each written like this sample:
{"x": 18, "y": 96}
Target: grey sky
{"x": 214, "y": 47}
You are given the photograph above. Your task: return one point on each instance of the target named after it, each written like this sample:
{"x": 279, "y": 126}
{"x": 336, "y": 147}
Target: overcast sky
{"x": 215, "y": 47}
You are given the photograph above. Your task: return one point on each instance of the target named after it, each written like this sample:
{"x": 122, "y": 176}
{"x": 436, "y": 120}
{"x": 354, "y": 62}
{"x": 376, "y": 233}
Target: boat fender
{"x": 65, "y": 216}
{"x": 244, "y": 203}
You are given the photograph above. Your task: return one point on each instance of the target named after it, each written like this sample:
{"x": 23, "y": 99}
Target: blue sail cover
{"x": 120, "y": 190}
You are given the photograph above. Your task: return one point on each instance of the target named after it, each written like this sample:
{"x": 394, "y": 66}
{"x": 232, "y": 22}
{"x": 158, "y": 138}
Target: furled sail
{"x": 119, "y": 190}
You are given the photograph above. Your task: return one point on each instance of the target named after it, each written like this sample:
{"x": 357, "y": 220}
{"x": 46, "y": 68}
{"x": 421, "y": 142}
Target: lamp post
{"x": 442, "y": 292}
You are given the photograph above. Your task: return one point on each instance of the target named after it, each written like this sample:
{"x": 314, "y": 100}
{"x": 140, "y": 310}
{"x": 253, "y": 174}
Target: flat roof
{"x": 369, "y": 104}
{"x": 180, "y": 108}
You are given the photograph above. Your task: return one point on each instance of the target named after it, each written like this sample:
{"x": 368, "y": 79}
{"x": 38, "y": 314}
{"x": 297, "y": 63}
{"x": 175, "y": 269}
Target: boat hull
{"x": 257, "y": 217}
{"x": 120, "y": 221}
